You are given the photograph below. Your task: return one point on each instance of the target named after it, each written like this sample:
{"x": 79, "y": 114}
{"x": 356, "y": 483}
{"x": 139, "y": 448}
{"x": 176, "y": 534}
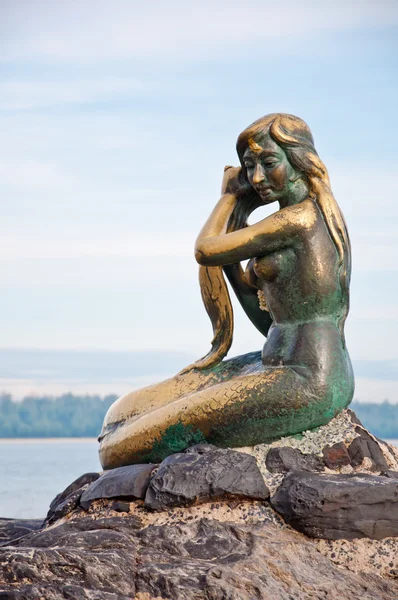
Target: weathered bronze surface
{"x": 295, "y": 290}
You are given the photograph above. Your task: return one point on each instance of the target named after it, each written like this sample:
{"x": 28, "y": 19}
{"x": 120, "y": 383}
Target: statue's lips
{"x": 264, "y": 191}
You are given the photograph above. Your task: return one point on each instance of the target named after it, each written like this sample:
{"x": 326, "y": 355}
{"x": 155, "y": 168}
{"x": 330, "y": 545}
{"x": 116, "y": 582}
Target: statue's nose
{"x": 258, "y": 175}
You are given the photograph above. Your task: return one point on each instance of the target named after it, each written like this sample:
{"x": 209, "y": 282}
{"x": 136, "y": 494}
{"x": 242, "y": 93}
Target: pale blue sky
{"x": 117, "y": 120}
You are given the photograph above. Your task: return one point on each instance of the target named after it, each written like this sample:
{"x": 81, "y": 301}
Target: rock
{"x": 204, "y": 473}
{"x": 124, "y": 482}
{"x": 336, "y": 456}
{"x": 281, "y": 460}
{"x": 332, "y": 440}
{"x": 225, "y": 547}
{"x": 339, "y": 506}
{"x": 201, "y": 449}
{"x": 12, "y": 529}
{"x": 116, "y": 559}
{"x": 68, "y": 500}
{"x": 81, "y": 481}
{"x": 354, "y": 418}
{"x": 65, "y": 507}
{"x": 120, "y": 506}
{"x": 390, "y": 474}
{"x": 364, "y": 446}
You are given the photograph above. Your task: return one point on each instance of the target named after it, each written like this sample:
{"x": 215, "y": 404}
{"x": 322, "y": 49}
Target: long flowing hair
{"x": 293, "y": 135}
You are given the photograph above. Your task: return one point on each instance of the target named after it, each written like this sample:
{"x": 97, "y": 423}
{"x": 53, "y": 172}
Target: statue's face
{"x": 268, "y": 169}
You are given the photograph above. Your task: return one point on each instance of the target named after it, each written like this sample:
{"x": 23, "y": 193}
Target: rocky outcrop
{"x": 13, "y": 529}
{"x": 200, "y": 525}
{"x": 115, "y": 558}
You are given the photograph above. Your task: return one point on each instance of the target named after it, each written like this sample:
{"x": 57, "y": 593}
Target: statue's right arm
{"x": 247, "y": 296}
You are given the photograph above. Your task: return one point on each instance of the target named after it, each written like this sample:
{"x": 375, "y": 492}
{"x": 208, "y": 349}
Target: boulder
{"x": 124, "y": 482}
{"x": 204, "y": 472}
{"x": 282, "y": 460}
{"x": 339, "y": 506}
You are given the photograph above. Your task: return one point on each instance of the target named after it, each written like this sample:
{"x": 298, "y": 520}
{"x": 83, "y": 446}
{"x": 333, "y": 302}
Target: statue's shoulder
{"x": 304, "y": 215}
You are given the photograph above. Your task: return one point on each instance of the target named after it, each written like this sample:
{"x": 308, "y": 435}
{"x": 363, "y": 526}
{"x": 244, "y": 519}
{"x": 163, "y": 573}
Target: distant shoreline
{"x": 41, "y": 440}
{"x": 71, "y": 440}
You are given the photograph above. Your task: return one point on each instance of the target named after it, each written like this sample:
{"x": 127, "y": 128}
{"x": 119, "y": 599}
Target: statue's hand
{"x": 234, "y": 182}
{"x": 230, "y": 181}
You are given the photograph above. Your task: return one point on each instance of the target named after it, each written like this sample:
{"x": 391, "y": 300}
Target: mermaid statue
{"x": 295, "y": 291}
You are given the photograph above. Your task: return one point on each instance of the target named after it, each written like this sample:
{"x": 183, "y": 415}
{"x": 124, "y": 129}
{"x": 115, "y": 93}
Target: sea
{"x": 34, "y": 471}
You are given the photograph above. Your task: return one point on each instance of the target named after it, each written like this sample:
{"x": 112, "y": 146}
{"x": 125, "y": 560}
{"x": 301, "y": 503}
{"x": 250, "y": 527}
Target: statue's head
{"x": 278, "y": 157}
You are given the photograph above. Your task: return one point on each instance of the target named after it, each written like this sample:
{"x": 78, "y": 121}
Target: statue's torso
{"x": 302, "y": 291}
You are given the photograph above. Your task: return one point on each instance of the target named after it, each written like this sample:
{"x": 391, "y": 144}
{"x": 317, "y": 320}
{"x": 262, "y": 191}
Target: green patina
{"x": 175, "y": 438}
{"x": 300, "y": 263}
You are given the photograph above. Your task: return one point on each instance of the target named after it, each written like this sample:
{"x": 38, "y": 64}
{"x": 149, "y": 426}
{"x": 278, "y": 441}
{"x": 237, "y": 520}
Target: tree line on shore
{"x": 68, "y": 415}
{"x": 71, "y": 415}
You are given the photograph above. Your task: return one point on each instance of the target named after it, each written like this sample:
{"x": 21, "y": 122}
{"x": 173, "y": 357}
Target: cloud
{"x": 98, "y": 228}
{"x": 92, "y": 29}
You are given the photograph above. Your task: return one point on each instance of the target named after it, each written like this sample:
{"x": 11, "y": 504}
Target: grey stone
{"x": 354, "y": 418}
{"x": 87, "y": 478}
{"x": 282, "y": 460}
{"x": 390, "y": 474}
{"x": 114, "y": 559}
{"x": 64, "y": 508}
{"x": 12, "y": 529}
{"x": 365, "y": 447}
{"x": 182, "y": 479}
{"x": 124, "y": 482}
{"x": 339, "y": 506}
{"x": 68, "y": 500}
{"x": 120, "y": 506}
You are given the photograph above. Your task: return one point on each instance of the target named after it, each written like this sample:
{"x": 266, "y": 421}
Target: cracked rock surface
{"x": 115, "y": 558}
{"x": 204, "y": 472}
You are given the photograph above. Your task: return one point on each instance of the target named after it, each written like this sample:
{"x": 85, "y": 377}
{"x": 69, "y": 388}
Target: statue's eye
{"x": 249, "y": 166}
{"x": 269, "y": 163}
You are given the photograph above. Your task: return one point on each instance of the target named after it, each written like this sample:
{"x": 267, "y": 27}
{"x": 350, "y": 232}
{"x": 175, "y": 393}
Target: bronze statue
{"x": 295, "y": 290}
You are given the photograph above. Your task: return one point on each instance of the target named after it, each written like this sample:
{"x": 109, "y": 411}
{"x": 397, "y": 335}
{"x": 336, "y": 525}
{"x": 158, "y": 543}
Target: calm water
{"x": 32, "y": 472}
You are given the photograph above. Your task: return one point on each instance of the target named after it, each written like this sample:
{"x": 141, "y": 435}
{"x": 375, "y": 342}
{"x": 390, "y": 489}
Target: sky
{"x": 117, "y": 120}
